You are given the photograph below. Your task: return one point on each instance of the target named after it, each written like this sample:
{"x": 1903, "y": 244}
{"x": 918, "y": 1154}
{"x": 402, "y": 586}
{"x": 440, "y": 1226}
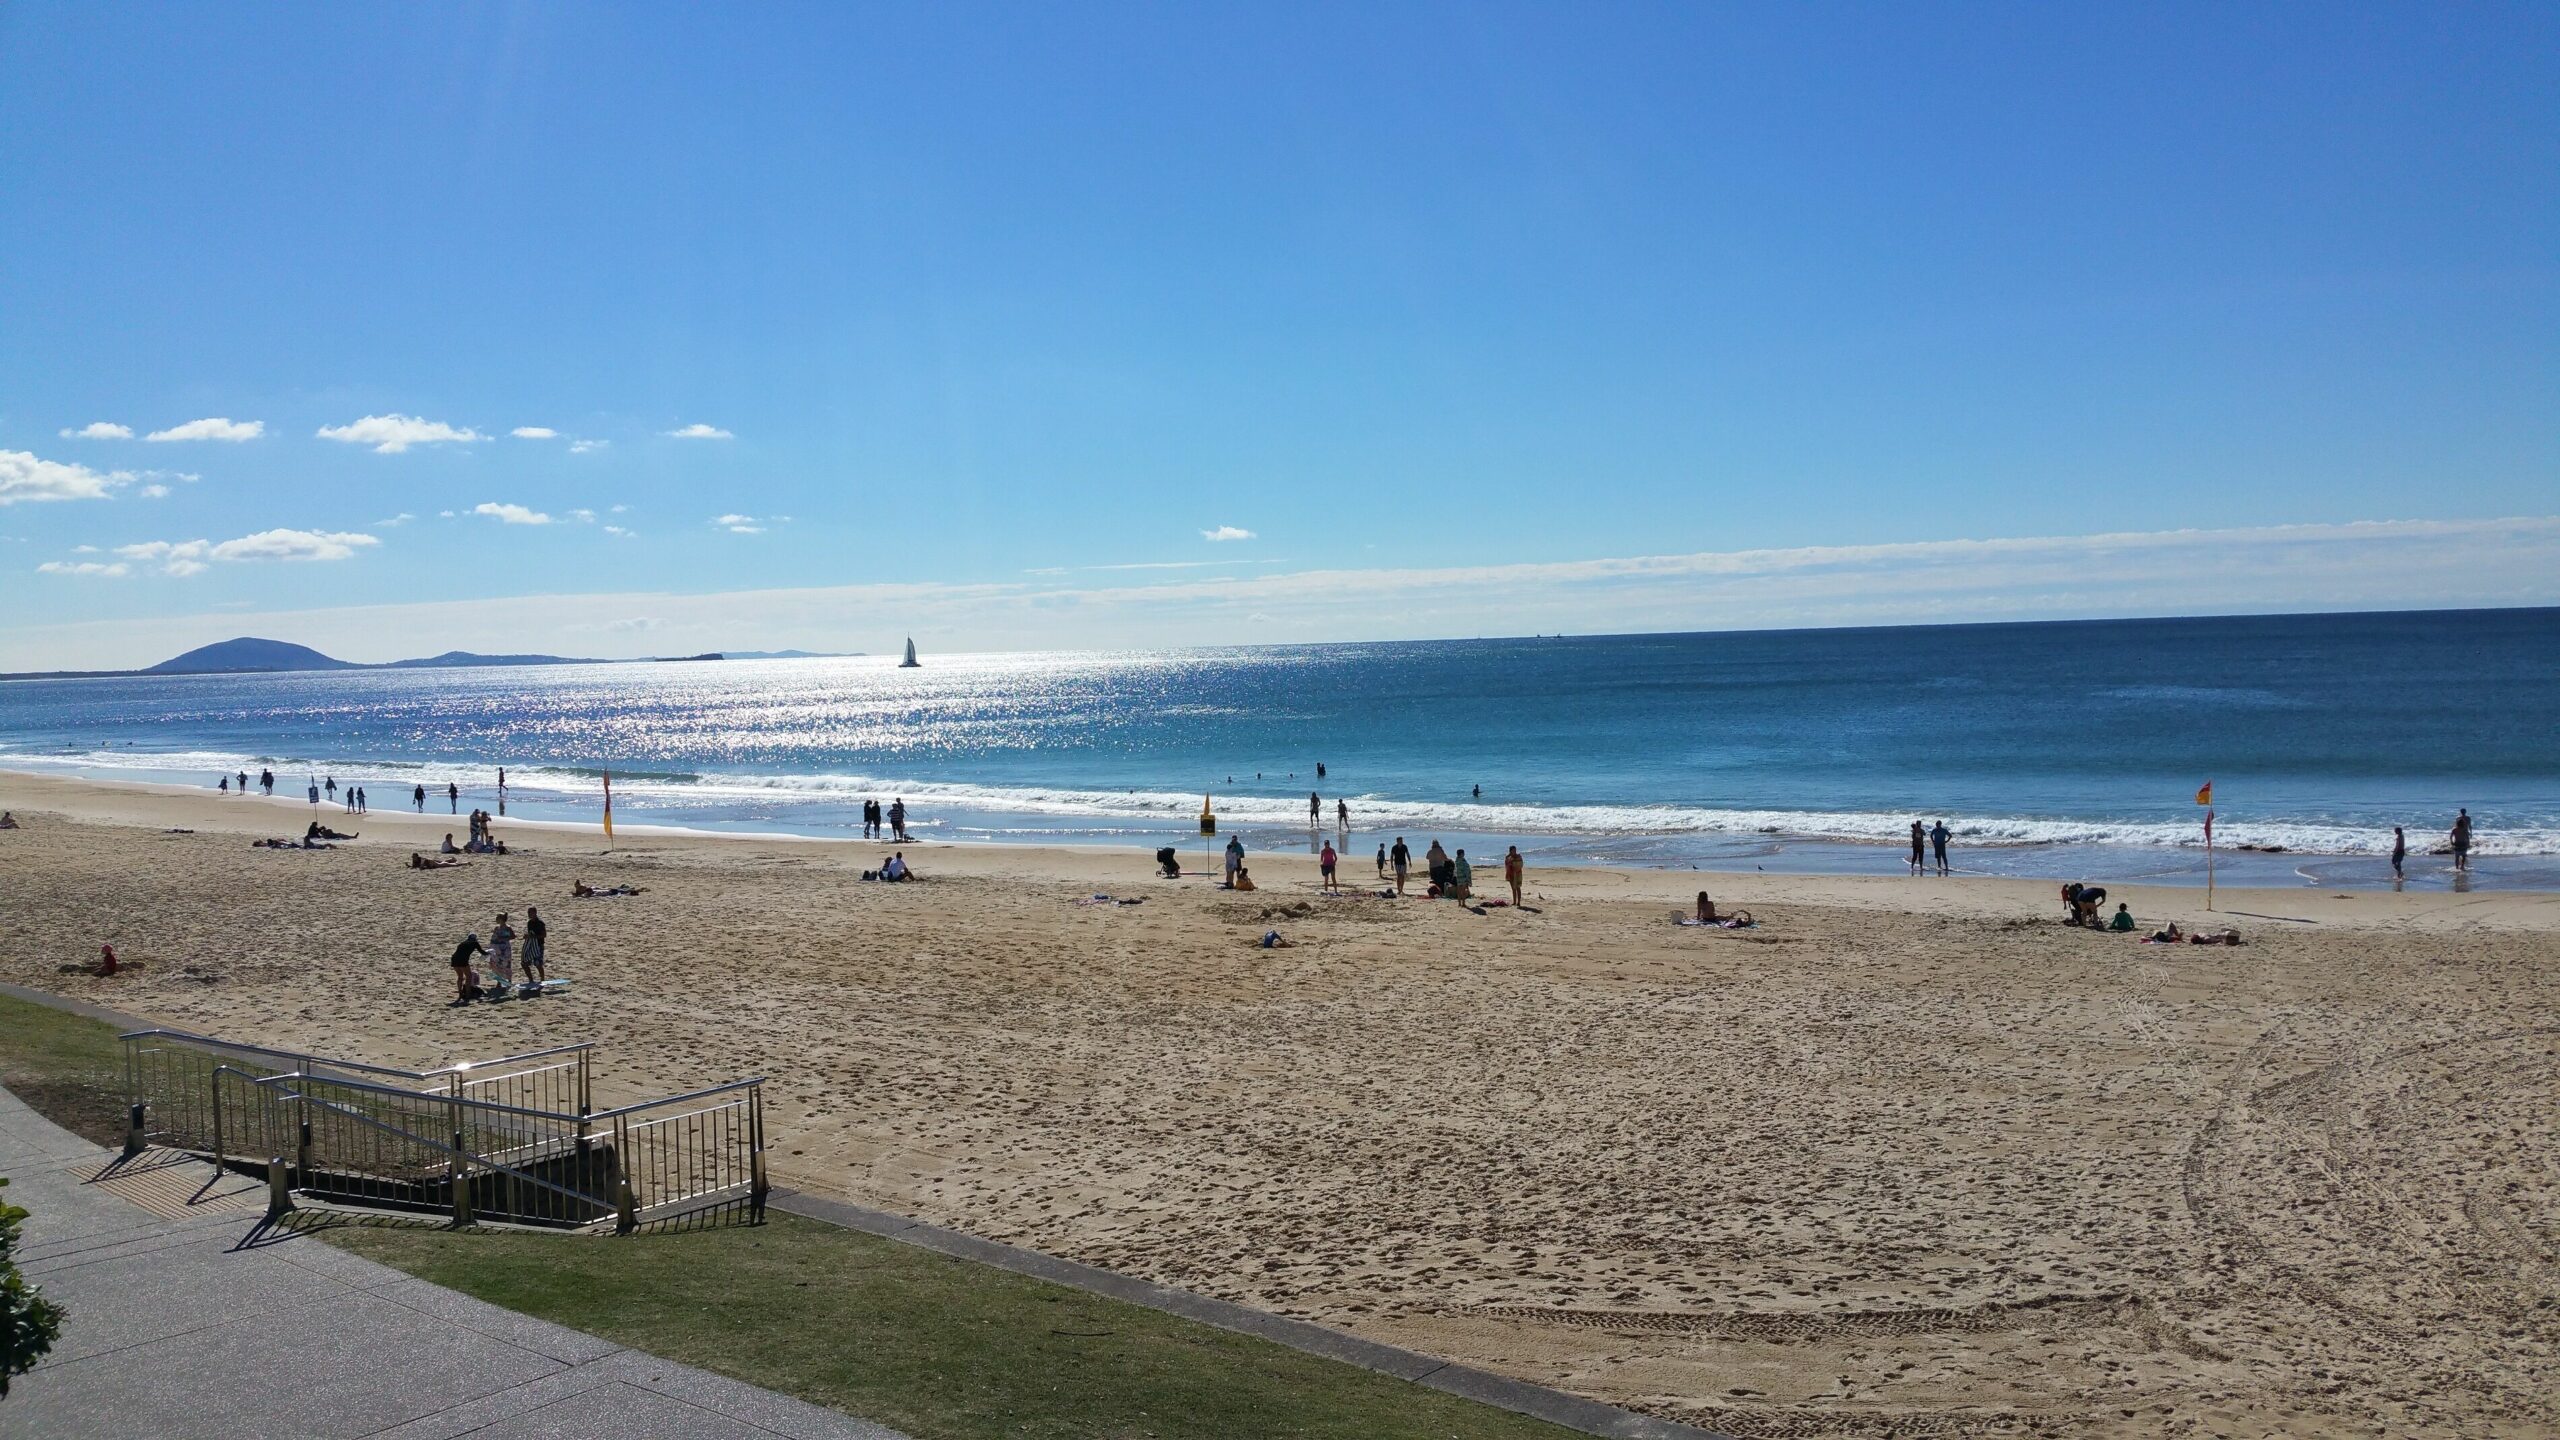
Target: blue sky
{"x": 1422, "y": 298}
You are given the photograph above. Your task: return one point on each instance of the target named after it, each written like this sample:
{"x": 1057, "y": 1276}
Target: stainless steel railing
{"x": 513, "y": 1139}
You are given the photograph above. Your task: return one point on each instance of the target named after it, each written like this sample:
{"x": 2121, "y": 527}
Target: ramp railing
{"x": 512, "y": 1140}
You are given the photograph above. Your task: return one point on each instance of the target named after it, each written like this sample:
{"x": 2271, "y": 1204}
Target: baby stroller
{"x": 1169, "y": 863}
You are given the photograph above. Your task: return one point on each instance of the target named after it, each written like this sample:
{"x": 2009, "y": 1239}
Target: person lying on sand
{"x": 584, "y": 891}
{"x": 2171, "y": 936}
{"x": 440, "y": 862}
{"x": 291, "y": 845}
{"x": 318, "y": 831}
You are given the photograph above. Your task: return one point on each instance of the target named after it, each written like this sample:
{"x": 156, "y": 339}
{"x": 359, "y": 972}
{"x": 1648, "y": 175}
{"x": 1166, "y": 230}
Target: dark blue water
{"x": 2049, "y": 748}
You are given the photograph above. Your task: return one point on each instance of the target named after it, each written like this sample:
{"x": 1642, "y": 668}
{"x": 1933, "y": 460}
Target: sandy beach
{"x": 1911, "y": 1157}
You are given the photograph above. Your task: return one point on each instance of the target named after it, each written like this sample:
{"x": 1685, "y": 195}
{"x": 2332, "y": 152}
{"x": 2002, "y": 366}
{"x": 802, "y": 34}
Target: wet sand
{"x": 1910, "y": 1158}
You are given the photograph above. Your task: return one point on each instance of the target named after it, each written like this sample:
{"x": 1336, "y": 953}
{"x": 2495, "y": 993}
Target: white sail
{"x": 911, "y": 662}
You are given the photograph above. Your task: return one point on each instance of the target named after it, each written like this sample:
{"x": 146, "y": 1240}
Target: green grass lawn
{"x": 943, "y": 1349}
{"x": 69, "y": 1068}
{"x": 922, "y": 1342}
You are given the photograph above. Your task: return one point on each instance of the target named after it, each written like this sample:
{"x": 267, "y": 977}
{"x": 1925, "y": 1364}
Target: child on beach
{"x": 502, "y": 953}
{"x": 1325, "y": 862}
{"x": 535, "y": 934}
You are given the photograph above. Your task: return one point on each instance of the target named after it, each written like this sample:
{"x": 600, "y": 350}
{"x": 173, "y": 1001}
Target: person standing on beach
{"x": 419, "y": 794}
{"x": 453, "y": 797}
{"x": 244, "y": 782}
{"x": 502, "y": 954}
{"x": 1382, "y": 859}
{"x": 2399, "y": 852}
{"x": 1512, "y": 869}
{"x": 535, "y": 933}
{"x": 1235, "y": 858}
{"x": 225, "y": 785}
{"x": 1919, "y": 848}
{"x": 898, "y": 818}
{"x": 1315, "y": 810}
{"x": 1402, "y": 859}
{"x": 1938, "y": 842}
{"x": 1342, "y": 816}
{"x": 1325, "y": 861}
{"x": 2462, "y": 841}
{"x": 267, "y": 781}
{"x": 333, "y": 787}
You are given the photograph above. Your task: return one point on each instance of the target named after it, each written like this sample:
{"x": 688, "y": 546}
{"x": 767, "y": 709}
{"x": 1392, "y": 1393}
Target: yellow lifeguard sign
{"x": 1208, "y": 818}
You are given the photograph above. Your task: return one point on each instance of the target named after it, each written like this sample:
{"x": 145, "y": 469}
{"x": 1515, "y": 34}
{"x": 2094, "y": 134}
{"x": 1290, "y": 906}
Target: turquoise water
{"x": 2053, "y": 749}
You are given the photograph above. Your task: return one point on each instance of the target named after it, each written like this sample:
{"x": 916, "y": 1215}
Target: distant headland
{"x": 249, "y": 655}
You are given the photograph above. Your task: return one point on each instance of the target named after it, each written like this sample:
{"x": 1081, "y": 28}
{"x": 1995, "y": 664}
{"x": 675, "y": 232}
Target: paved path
{"x": 176, "y": 1331}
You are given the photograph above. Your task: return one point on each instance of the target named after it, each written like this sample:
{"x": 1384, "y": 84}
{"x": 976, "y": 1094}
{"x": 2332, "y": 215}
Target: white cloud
{"x": 444, "y": 514}
{"x": 83, "y": 567}
{"x": 618, "y": 509}
{"x": 534, "y": 432}
{"x": 403, "y": 518}
{"x": 739, "y": 524}
{"x": 153, "y": 492}
{"x": 99, "y": 430}
{"x": 25, "y": 477}
{"x": 583, "y": 447}
{"x": 216, "y": 428}
{"x": 191, "y": 557}
{"x": 511, "y": 514}
{"x": 617, "y": 532}
{"x": 1226, "y": 532}
{"x": 391, "y": 434}
{"x": 699, "y": 431}
{"x": 583, "y": 517}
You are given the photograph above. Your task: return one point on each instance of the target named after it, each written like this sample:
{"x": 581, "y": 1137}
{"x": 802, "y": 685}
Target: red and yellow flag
{"x": 608, "y": 804}
{"x": 2205, "y": 795}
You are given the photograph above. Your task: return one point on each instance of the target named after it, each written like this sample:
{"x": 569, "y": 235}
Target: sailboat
{"x": 911, "y": 662}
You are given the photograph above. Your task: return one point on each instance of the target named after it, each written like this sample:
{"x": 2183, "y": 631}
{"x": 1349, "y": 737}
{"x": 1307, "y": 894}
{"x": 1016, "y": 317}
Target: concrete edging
{"x": 1539, "y": 1402}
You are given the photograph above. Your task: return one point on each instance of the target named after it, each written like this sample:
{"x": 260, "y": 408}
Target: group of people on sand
{"x": 889, "y": 824}
{"x": 2080, "y": 902}
{"x": 501, "y": 954}
{"x": 894, "y": 870}
{"x": 483, "y": 841}
{"x": 1924, "y": 840}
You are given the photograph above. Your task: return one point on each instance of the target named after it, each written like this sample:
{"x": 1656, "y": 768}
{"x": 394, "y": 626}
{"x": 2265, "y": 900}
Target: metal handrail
{"x": 751, "y": 1080}
{"x": 428, "y": 1095}
{"x": 464, "y": 1066}
{"x": 466, "y": 1156}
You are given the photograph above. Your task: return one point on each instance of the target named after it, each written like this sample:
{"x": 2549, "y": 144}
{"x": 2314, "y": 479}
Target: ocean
{"x": 2064, "y": 749}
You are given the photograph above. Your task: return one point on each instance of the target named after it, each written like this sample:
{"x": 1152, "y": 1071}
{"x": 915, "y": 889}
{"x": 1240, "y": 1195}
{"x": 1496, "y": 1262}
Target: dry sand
{"x": 1912, "y": 1158}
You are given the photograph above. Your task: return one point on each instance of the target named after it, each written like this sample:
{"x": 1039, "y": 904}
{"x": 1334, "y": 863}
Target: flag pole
{"x": 2204, "y": 797}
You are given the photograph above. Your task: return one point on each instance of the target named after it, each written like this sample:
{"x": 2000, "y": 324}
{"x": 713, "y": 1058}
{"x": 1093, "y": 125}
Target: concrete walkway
{"x": 176, "y": 1330}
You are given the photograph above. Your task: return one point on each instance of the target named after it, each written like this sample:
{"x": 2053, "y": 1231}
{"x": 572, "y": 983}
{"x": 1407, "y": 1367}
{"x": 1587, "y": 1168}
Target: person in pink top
{"x": 1325, "y": 861}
